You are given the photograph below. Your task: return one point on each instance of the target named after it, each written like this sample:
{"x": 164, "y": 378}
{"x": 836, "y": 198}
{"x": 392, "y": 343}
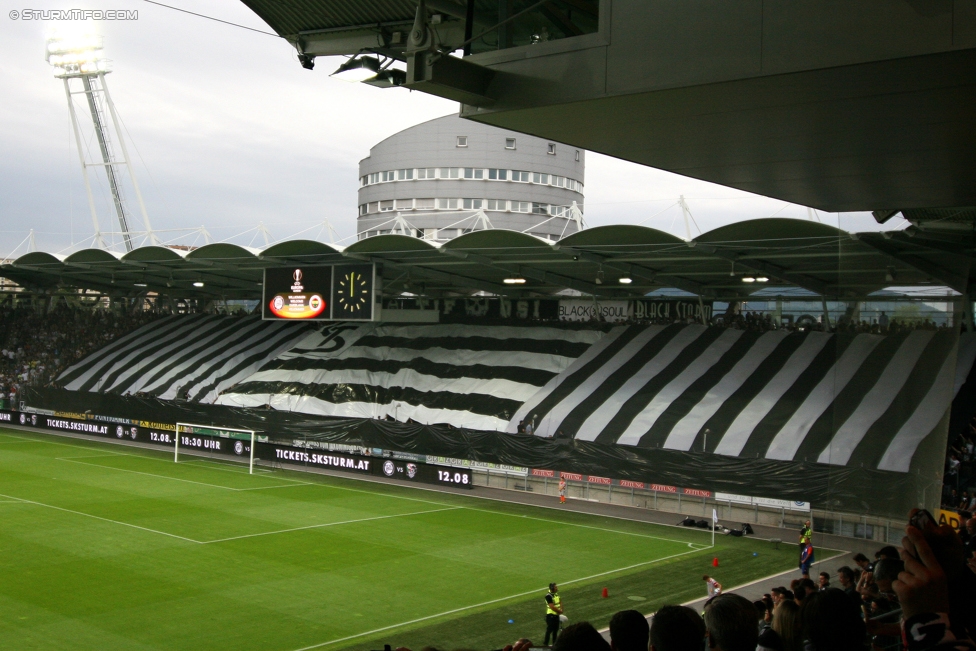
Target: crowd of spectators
{"x": 921, "y": 597}
{"x": 36, "y": 346}
{"x": 959, "y": 478}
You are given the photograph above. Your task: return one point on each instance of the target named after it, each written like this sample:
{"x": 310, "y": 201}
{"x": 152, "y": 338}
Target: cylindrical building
{"x": 450, "y": 176}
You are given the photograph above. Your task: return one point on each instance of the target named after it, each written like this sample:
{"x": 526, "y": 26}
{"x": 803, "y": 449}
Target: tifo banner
{"x": 672, "y": 310}
{"x": 590, "y": 310}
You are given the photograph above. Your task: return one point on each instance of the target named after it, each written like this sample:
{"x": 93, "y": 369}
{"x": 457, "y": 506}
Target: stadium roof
{"x": 789, "y": 253}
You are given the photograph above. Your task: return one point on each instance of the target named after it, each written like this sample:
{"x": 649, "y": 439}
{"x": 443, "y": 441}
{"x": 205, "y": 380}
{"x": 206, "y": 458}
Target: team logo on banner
{"x": 133, "y": 433}
{"x": 411, "y": 470}
{"x": 33, "y": 419}
{"x": 119, "y": 432}
{"x": 388, "y": 468}
{"x": 23, "y": 419}
{"x": 238, "y": 448}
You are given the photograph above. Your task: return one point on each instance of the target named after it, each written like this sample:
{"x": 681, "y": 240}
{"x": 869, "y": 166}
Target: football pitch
{"x": 108, "y": 547}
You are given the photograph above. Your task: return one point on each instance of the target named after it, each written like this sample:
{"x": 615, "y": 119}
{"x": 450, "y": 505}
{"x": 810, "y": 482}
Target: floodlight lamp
{"x": 748, "y": 279}
{"x": 762, "y": 279}
{"x": 198, "y": 284}
{"x": 626, "y": 281}
{"x": 517, "y": 280}
{"x": 72, "y": 55}
{"x": 139, "y": 284}
{"x": 388, "y": 78}
{"x": 358, "y": 69}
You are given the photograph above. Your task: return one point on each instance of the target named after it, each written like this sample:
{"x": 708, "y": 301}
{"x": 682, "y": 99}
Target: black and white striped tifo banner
{"x": 840, "y": 399}
{"x": 199, "y": 354}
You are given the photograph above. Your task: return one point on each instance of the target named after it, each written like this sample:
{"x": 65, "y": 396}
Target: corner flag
{"x": 714, "y": 522}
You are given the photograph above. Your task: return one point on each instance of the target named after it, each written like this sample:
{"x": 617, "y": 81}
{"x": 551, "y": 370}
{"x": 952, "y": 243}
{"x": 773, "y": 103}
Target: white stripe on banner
{"x": 133, "y": 380}
{"x": 463, "y": 331}
{"x": 738, "y": 433}
{"x": 396, "y": 409}
{"x": 710, "y": 356}
{"x": 136, "y": 358}
{"x": 925, "y": 418}
{"x": 406, "y": 377}
{"x": 550, "y": 386}
{"x": 146, "y": 334}
{"x": 967, "y": 356}
{"x": 789, "y": 438}
{"x": 217, "y": 374}
{"x": 686, "y": 430}
{"x": 877, "y": 400}
{"x": 602, "y": 415}
{"x": 550, "y": 422}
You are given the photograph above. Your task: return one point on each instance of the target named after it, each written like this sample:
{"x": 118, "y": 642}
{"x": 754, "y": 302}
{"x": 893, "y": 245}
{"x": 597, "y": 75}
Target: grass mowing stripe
{"x": 264, "y": 488}
{"x": 492, "y": 601}
{"x": 151, "y": 474}
{"x": 327, "y": 524}
{"x": 97, "y": 517}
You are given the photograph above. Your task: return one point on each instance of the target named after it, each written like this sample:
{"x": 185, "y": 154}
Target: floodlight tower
{"x": 78, "y": 59}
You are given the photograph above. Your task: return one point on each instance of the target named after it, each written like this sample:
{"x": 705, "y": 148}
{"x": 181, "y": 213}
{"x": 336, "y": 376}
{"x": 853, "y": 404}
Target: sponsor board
{"x": 581, "y": 310}
{"x": 950, "y": 518}
{"x": 789, "y": 505}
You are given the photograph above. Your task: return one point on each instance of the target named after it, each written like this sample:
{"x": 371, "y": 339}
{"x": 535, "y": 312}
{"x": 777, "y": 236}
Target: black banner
{"x": 850, "y": 489}
{"x": 312, "y": 454}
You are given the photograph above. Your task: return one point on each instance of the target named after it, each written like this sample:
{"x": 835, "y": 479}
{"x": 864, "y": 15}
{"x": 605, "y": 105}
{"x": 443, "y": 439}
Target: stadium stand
{"x": 845, "y": 398}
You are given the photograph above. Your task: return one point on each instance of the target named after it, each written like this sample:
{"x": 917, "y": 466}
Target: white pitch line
{"x": 326, "y": 524}
{"x": 97, "y": 517}
{"x": 488, "y": 603}
{"x": 92, "y": 456}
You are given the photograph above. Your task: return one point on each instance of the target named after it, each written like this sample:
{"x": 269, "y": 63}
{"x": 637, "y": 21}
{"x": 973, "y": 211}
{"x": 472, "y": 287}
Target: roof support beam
{"x": 770, "y": 269}
{"x": 532, "y": 272}
{"x": 948, "y": 278}
{"x": 636, "y": 270}
{"x": 433, "y": 274}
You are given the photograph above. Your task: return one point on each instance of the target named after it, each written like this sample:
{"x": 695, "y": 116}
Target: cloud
{"x": 227, "y": 130}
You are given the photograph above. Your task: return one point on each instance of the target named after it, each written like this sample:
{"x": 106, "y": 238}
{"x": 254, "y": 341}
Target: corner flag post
{"x": 714, "y": 522}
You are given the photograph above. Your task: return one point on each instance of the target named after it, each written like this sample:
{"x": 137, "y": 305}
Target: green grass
{"x": 104, "y": 547}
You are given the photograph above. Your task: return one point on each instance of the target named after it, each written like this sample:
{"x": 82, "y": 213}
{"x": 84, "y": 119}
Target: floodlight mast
{"x": 79, "y": 58}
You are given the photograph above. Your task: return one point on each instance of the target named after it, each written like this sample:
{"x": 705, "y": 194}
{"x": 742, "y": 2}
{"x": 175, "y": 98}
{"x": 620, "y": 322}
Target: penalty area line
{"x": 98, "y": 517}
{"x": 490, "y": 602}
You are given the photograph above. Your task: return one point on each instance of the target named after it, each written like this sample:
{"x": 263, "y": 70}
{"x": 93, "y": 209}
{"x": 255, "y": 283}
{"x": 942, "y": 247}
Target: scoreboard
{"x": 345, "y": 292}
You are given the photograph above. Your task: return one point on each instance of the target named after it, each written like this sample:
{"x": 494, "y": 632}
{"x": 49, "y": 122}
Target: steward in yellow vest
{"x": 553, "y": 610}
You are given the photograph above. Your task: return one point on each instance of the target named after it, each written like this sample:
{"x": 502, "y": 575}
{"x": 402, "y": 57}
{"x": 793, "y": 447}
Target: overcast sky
{"x": 228, "y": 131}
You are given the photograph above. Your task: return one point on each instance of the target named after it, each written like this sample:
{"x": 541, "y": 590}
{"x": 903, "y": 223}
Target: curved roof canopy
{"x": 619, "y": 261}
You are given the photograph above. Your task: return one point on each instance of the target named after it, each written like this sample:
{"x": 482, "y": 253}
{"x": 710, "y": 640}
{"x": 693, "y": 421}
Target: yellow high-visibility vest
{"x": 555, "y": 602}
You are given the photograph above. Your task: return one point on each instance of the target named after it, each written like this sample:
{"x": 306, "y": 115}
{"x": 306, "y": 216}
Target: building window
{"x": 540, "y": 209}
{"x": 374, "y": 177}
{"x": 577, "y": 155}
{"x": 363, "y": 209}
{"x": 462, "y": 141}
{"x": 427, "y": 173}
{"x": 386, "y": 205}
{"x": 497, "y": 204}
{"x": 474, "y": 173}
{"x": 540, "y": 178}
{"x": 374, "y": 206}
{"x": 405, "y": 175}
{"x": 521, "y": 177}
{"x": 473, "y": 204}
{"x": 364, "y": 180}
{"x": 552, "y": 149}
{"x": 520, "y": 206}
{"x": 404, "y": 204}
{"x": 447, "y": 204}
{"x": 424, "y": 204}
{"x": 498, "y": 175}
{"x": 450, "y": 172}
{"x": 509, "y": 143}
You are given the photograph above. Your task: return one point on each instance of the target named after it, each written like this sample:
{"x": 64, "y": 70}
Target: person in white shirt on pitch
{"x": 714, "y": 587}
